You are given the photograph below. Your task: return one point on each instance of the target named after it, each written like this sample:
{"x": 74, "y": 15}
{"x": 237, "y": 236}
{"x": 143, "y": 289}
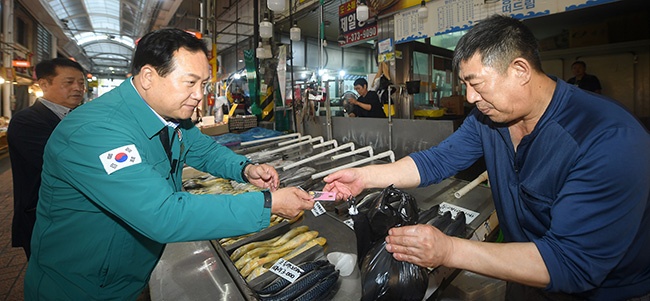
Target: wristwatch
{"x": 267, "y": 199}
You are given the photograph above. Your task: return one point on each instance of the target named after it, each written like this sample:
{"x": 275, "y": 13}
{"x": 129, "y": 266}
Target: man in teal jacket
{"x": 111, "y": 194}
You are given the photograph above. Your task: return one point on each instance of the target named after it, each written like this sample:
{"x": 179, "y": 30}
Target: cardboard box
{"x": 629, "y": 27}
{"x": 215, "y": 129}
{"x": 589, "y": 35}
{"x": 242, "y": 122}
{"x": 455, "y": 104}
{"x": 547, "y": 44}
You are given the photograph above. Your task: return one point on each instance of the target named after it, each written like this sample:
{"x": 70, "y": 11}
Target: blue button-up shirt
{"x": 578, "y": 187}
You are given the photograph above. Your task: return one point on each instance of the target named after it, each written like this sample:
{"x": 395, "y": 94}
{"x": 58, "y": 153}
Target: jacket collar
{"x": 143, "y": 114}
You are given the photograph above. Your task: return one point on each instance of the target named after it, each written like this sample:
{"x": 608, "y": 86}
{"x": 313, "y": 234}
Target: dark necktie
{"x": 167, "y": 145}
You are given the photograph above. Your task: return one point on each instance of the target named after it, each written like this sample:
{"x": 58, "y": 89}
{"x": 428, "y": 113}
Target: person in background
{"x": 368, "y": 104}
{"x": 569, "y": 172}
{"x": 111, "y": 194}
{"x": 63, "y": 84}
{"x": 582, "y": 79}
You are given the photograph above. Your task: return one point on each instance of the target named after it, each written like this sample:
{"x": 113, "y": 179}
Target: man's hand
{"x": 346, "y": 183}
{"x": 427, "y": 246}
{"x": 350, "y": 182}
{"x": 423, "y": 245}
{"x": 290, "y": 201}
{"x": 263, "y": 176}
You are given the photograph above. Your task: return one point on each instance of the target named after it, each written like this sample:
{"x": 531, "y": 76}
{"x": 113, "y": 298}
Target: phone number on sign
{"x": 363, "y": 34}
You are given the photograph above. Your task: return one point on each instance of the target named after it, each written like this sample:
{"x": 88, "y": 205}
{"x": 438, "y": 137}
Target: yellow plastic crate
{"x": 429, "y": 113}
{"x": 392, "y": 110}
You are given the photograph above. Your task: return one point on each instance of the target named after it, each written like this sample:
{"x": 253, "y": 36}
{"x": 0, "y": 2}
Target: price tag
{"x": 349, "y": 222}
{"x": 318, "y": 209}
{"x": 469, "y": 214}
{"x": 286, "y": 270}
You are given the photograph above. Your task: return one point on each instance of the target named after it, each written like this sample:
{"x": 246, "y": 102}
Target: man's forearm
{"x": 403, "y": 174}
{"x": 517, "y": 262}
{"x": 364, "y": 106}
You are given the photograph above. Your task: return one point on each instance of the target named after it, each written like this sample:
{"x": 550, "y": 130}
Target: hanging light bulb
{"x": 259, "y": 52}
{"x": 266, "y": 29}
{"x": 294, "y": 32}
{"x": 423, "y": 11}
{"x": 362, "y": 12}
{"x": 263, "y": 51}
{"x": 276, "y": 5}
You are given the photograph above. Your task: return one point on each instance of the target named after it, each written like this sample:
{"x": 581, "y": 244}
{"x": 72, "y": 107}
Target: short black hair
{"x": 47, "y": 69}
{"x": 499, "y": 40}
{"x": 361, "y": 82}
{"x": 584, "y": 65}
{"x": 157, "y": 49}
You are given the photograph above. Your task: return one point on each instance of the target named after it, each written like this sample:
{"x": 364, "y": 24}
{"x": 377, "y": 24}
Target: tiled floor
{"x": 12, "y": 260}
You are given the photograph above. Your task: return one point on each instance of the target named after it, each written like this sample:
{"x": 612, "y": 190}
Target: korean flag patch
{"x": 116, "y": 159}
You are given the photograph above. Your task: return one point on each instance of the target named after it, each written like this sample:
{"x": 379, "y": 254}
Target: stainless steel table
{"x": 198, "y": 271}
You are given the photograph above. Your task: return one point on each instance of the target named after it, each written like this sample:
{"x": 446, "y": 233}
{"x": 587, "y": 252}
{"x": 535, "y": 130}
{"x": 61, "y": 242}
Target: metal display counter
{"x": 203, "y": 271}
{"x": 192, "y": 271}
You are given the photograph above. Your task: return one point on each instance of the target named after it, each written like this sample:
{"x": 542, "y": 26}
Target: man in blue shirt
{"x": 569, "y": 172}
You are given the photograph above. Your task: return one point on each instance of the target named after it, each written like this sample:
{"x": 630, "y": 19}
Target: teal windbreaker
{"x": 109, "y": 203}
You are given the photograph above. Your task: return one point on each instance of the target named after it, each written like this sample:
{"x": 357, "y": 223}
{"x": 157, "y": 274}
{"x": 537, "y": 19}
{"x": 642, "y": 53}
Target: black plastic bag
{"x": 384, "y": 88}
{"x": 457, "y": 227}
{"x": 391, "y": 208}
{"x": 388, "y": 209}
{"x": 384, "y": 82}
{"x": 428, "y": 214}
{"x": 383, "y": 277}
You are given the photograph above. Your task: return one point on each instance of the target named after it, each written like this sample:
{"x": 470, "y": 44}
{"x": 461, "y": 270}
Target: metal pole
{"x": 320, "y": 40}
{"x": 8, "y": 25}
{"x": 328, "y": 111}
{"x": 202, "y": 21}
{"x": 293, "y": 82}
{"x": 256, "y": 40}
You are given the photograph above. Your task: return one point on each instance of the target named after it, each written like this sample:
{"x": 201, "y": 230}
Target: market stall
{"x": 206, "y": 269}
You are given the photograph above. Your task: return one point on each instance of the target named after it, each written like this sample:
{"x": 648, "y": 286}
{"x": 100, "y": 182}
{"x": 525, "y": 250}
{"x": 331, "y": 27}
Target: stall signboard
{"x": 409, "y": 26}
{"x": 386, "y": 8}
{"x": 456, "y": 15}
{"x": 22, "y": 66}
{"x": 353, "y": 30}
{"x": 385, "y": 45}
{"x": 21, "y": 63}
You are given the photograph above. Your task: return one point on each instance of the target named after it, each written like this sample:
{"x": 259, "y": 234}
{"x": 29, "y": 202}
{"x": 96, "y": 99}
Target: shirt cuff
{"x": 243, "y": 171}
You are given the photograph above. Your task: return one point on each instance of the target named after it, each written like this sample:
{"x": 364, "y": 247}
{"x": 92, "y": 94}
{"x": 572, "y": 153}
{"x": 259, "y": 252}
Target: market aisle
{"x": 12, "y": 260}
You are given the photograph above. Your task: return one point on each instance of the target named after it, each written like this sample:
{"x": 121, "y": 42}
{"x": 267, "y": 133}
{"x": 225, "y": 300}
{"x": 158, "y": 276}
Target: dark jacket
{"x": 27, "y": 134}
{"x": 376, "y": 107}
{"x": 588, "y": 82}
